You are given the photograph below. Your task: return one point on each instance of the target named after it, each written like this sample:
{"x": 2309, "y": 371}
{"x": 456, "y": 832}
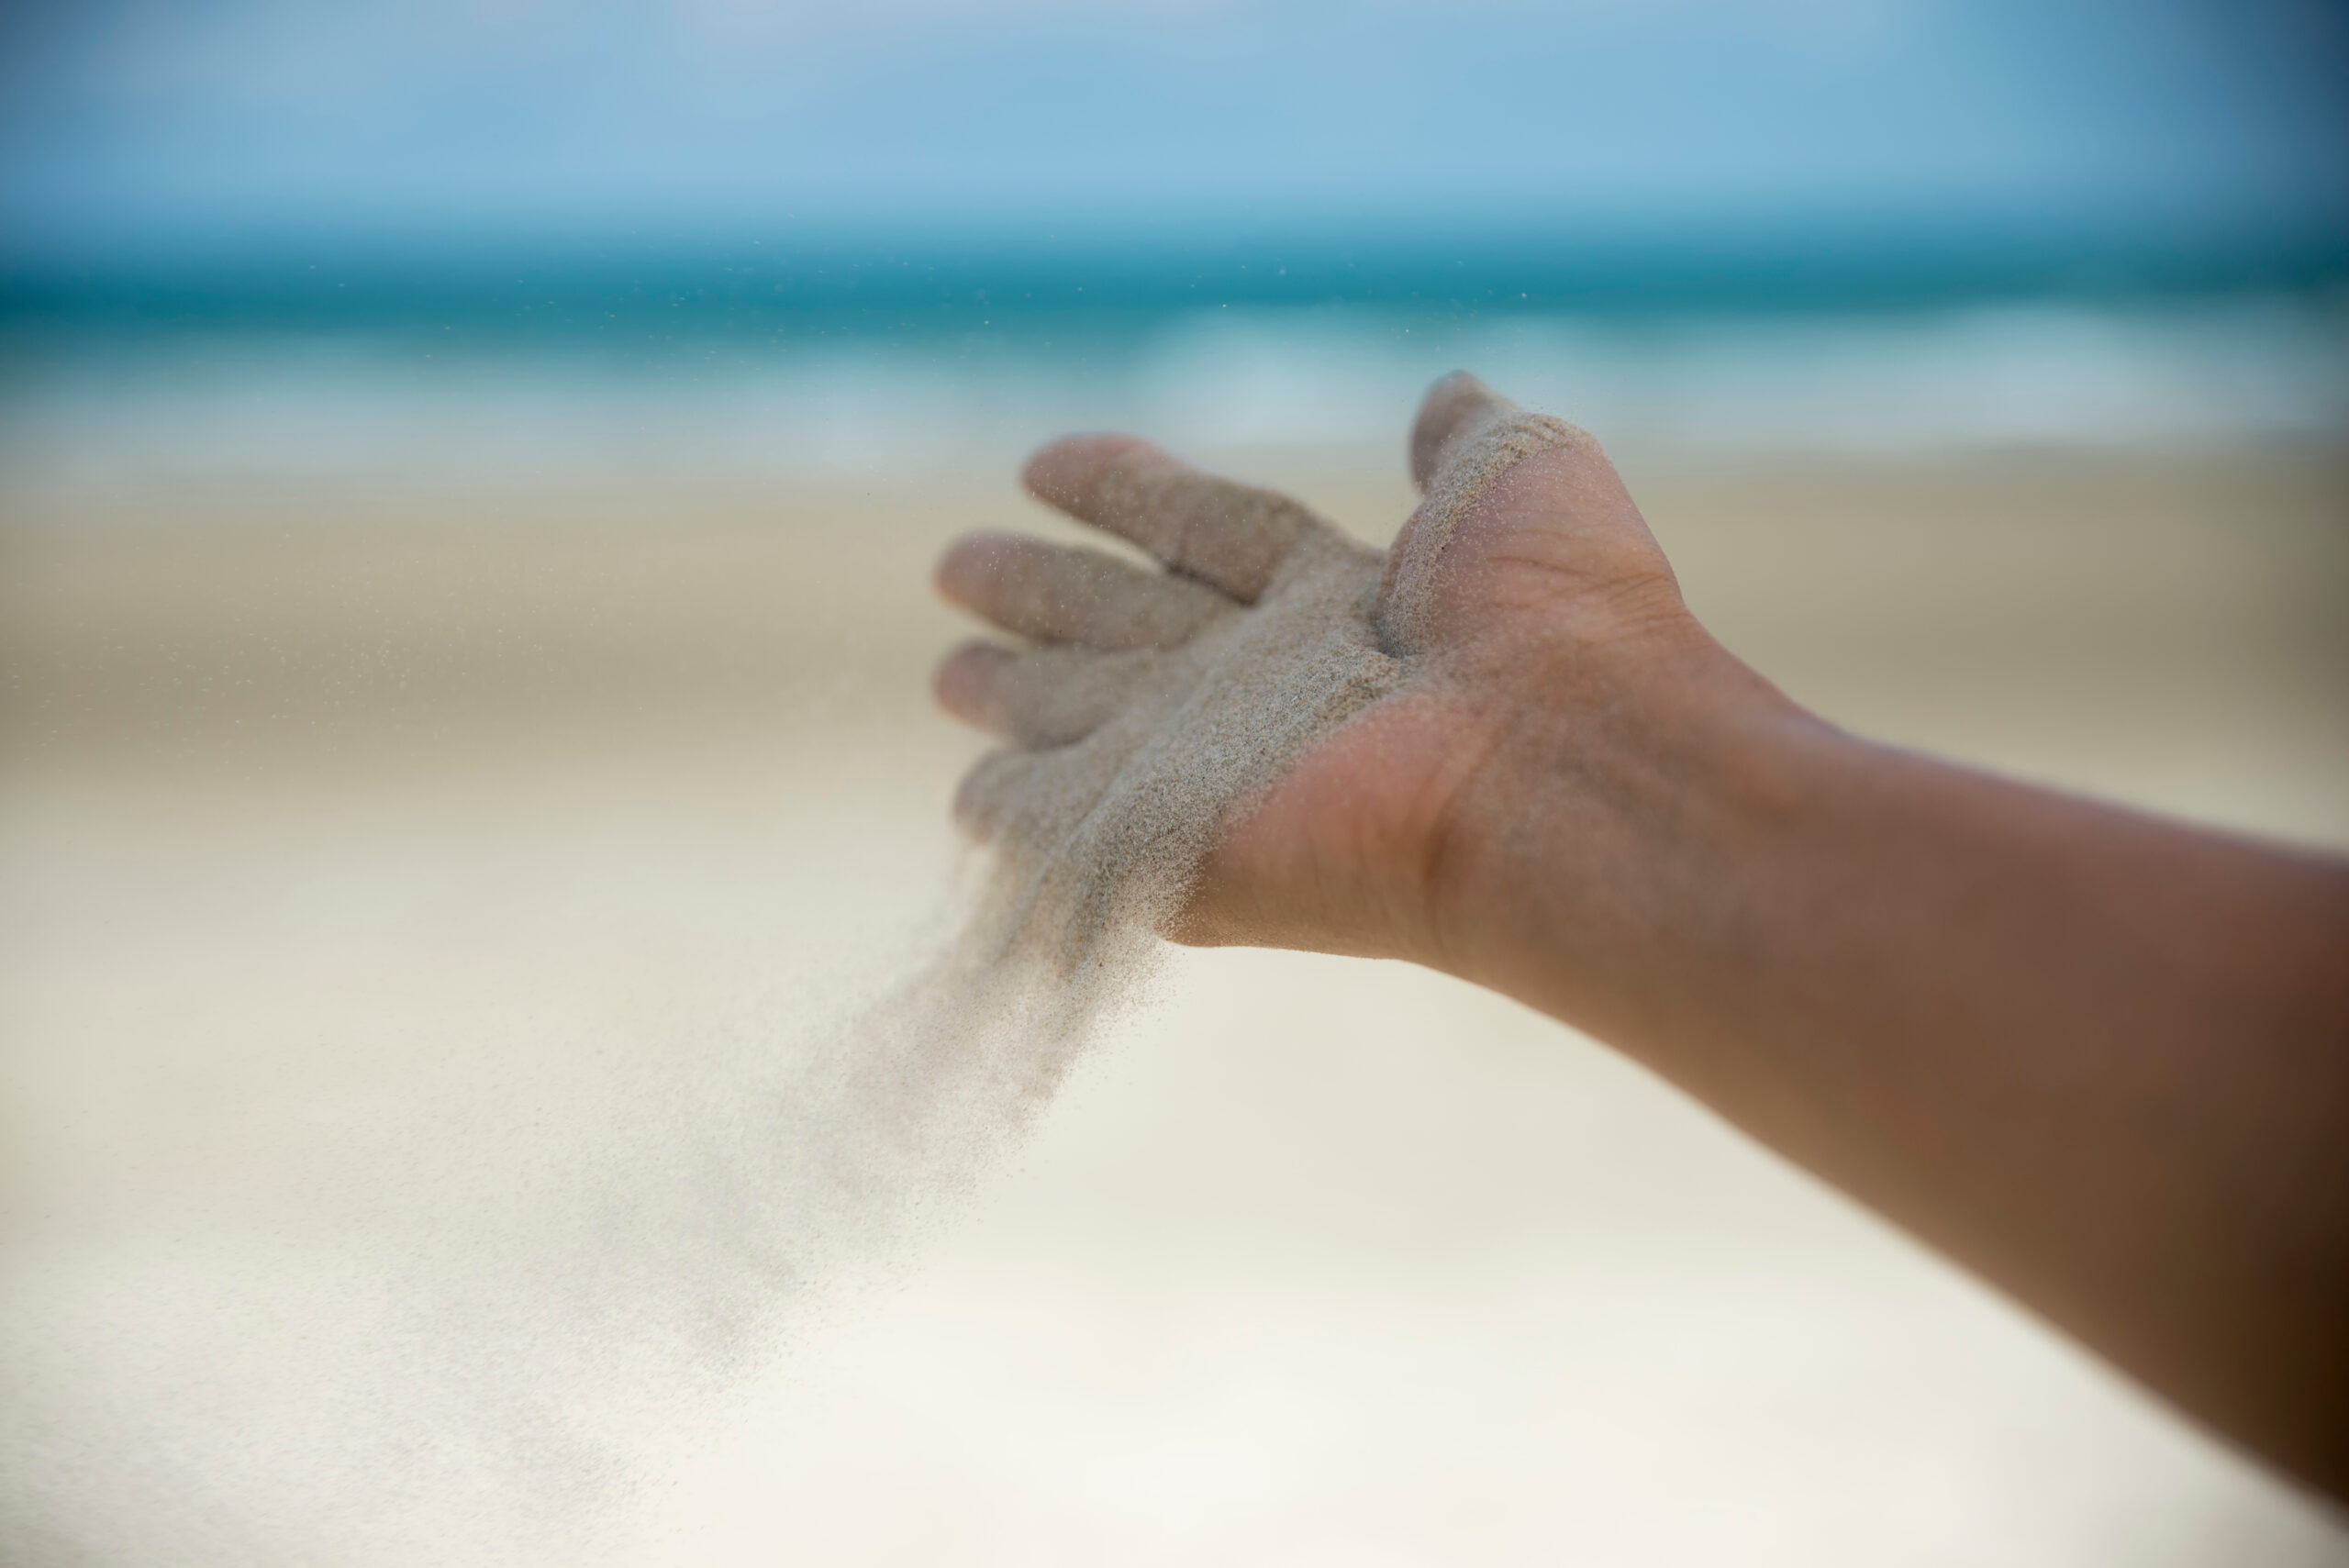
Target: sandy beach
{"x": 363, "y": 838}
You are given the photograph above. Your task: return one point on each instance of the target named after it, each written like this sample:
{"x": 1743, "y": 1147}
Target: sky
{"x": 130, "y": 123}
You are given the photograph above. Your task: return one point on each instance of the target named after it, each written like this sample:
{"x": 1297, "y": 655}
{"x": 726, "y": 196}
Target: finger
{"x": 1228, "y": 534}
{"x": 1052, "y": 594}
{"x": 1455, "y": 410}
{"x": 1045, "y": 696}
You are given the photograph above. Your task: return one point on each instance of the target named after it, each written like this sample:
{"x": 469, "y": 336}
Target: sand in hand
{"x": 1160, "y": 703}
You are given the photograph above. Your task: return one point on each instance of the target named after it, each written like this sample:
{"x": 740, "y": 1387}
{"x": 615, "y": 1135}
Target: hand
{"x": 1524, "y": 602}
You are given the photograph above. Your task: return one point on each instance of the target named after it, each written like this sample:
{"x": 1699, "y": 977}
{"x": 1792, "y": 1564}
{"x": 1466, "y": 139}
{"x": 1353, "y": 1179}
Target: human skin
{"x": 2100, "y": 1060}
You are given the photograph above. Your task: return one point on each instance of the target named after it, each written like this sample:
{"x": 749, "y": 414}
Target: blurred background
{"x": 468, "y": 473}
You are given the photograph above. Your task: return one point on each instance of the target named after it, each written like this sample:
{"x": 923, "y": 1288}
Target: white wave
{"x": 2212, "y": 374}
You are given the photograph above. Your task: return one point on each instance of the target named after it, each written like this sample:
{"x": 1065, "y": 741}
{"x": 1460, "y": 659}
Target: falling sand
{"x": 476, "y": 1392}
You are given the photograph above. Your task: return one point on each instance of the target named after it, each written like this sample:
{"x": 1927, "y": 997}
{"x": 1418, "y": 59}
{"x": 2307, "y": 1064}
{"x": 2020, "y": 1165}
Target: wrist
{"x": 1622, "y": 788}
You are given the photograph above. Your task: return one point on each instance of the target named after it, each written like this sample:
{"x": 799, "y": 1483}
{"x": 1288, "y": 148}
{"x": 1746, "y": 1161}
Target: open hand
{"x": 1524, "y": 593}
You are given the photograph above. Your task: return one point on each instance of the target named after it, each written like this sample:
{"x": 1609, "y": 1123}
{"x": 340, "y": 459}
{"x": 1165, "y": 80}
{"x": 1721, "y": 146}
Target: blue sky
{"x": 127, "y": 121}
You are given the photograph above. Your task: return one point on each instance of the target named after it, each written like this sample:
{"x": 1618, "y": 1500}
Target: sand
{"x": 1097, "y": 839}
{"x": 400, "y": 1027}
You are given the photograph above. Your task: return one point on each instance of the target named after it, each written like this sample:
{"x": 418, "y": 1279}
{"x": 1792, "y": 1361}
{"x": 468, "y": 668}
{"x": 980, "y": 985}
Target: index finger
{"x": 1232, "y": 535}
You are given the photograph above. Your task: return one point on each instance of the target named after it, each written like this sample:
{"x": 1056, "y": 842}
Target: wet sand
{"x": 326, "y": 806}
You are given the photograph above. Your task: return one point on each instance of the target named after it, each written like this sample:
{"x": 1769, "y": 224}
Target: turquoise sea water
{"x": 842, "y": 350}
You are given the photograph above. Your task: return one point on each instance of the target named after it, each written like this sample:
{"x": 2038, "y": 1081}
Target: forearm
{"x": 2100, "y": 1060}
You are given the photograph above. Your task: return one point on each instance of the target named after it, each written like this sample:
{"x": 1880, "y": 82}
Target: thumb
{"x": 1455, "y": 410}
{"x": 1490, "y": 472}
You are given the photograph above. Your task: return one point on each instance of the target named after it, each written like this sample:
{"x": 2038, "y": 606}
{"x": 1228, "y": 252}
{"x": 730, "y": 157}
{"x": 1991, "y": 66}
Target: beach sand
{"x": 339, "y": 808}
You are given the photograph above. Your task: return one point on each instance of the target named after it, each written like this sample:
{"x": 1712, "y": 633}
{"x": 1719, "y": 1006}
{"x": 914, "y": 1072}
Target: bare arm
{"x": 2100, "y": 1060}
